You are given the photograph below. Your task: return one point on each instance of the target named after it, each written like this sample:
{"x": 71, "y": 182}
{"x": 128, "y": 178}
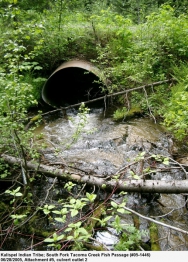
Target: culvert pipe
{"x": 73, "y": 82}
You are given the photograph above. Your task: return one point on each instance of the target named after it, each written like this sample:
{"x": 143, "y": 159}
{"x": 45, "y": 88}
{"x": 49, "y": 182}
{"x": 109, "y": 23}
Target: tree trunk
{"x": 147, "y": 186}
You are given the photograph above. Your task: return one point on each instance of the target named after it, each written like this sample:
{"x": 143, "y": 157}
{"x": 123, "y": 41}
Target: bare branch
{"x": 153, "y": 220}
{"x": 109, "y": 95}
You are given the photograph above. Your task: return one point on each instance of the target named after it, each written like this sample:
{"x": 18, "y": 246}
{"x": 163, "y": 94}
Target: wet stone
{"x": 106, "y": 150}
{"x": 108, "y": 147}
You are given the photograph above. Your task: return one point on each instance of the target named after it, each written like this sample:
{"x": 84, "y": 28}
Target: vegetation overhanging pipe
{"x": 110, "y": 95}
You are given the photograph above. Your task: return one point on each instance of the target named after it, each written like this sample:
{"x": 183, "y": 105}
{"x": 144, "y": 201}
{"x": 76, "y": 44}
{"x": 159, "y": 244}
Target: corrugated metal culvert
{"x": 73, "y": 82}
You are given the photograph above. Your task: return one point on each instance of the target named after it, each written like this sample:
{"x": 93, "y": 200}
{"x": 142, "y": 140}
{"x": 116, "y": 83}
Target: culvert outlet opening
{"x": 73, "y": 82}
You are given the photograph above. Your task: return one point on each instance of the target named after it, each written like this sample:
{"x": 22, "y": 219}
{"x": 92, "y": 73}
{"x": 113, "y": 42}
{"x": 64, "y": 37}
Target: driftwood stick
{"x": 147, "y": 186}
{"x": 109, "y": 95}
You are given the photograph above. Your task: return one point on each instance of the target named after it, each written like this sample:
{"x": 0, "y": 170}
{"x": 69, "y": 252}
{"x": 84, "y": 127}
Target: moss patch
{"x": 124, "y": 114}
{"x": 154, "y": 237}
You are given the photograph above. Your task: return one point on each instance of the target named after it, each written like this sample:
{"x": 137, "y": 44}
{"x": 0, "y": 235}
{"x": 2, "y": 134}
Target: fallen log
{"x": 141, "y": 186}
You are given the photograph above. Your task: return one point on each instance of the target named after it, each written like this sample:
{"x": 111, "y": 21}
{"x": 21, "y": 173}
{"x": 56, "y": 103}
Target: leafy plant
{"x": 3, "y": 169}
{"x": 69, "y": 185}
{"x": 133, "y": 175}
{"x": 130, "y": 240}
{"x": 54, "y": 239}
{"x": 175, "y": 117}
{"x": 75, "y": 205}
{"x": 120, "y": 114}
{"x": 15, "y": 193}
{"x": 47, "y": 209}
{"x": 90, "y": 197}
{"x": 82, "y": 120}
{"x": 103, "y": 221}
{"x": 79, "y": 233}
{"x": 18, "y": 218}
{"x": 119, "y": 207}
{"x": 159, "y": 158}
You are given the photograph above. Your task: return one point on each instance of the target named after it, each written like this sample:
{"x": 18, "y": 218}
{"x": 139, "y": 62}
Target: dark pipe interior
{"x": 71, "y": 85}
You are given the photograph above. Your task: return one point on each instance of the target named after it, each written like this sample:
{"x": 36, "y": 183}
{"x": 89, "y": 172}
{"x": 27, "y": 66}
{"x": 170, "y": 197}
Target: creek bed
{"x": 102, "y": 149}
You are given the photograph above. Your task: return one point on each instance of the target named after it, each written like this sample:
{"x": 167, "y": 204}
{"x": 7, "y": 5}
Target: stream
{"x": 101, "y": 147}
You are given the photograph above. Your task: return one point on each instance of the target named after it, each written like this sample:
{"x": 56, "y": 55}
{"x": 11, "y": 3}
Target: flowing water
{"x": 102, "y": 149}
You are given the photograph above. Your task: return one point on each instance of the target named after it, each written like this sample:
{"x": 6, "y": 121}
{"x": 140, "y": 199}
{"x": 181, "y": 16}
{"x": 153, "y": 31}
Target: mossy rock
{"x": 36, "y": 118}
{"x": 154, "y": 239}
{"x": 36, "y": 225}
{"x": 124, "y": 114}
{"x": 135, "y": 111}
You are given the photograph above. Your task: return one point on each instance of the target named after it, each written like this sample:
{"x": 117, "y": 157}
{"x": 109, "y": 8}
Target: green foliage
{"x": 166, "y": 24}
{"x": 103, "y": 221}
{"x": 18, "y": 218}
{"x": 53, "y": 240}
{"x": 130, "y": 241}
{"x": 137, "y": 10}
{"x": 80, "y": 125}
{"x": 119, "y": 207}
{"x": 4, "y": 172}
{"x": 155, "y": 246}
{"x": 78, "y": 234}
{"x": 83, "y": 111}
{"x": 90, "y": 197}
{"x": 124, "y": 113}
{"x": 15, "y": 193}
{"x": 69, "y": 186}
{"x": 117, "y": 225}
{"x": 47, "y": 209}
{"x": 176, "y": 109}
{"x": 38, "y": 5}
{"x": 16, "y": 93}
{"x": 16, "y": 98}
{"x": 133, "y": 175}
{"x": 131, "y": 237}
{"x": 159, "y": 158}
{"x": 120, "y": 114}
{"x": 74, "y": 232}
{"x": 176, "y": 118}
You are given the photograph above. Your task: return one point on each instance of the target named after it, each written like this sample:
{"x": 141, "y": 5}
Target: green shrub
{"x": 176, "y": 109}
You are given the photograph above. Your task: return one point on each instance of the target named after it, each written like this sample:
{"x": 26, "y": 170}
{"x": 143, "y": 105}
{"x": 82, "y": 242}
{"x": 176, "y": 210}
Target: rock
{"x": 183, "y": 161}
